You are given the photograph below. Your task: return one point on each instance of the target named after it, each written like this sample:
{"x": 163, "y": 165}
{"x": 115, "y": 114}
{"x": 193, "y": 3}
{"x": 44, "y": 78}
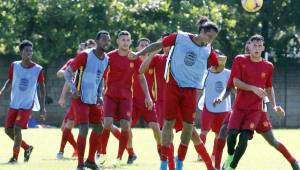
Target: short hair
{"x": 257, "y": 37}
{"x": 25, "y": 43}
{"x": 165, "y": 34}
{"x": 124, "y": 32}
{"x": 100, "y": 33}
{"x": 207, "y": 25}
{"x": 90, "y": 42}
{"x": 143, "y": 39}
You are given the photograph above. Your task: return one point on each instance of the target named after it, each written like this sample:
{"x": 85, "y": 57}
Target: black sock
{"x": 231, "y": 140}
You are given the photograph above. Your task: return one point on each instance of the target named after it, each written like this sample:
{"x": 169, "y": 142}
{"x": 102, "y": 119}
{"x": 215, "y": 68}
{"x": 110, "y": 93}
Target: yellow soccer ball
{"x": 252, "y": 5}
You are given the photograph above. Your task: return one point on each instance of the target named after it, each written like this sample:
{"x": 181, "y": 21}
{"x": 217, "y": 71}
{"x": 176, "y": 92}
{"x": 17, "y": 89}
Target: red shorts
{"x": 69, "y": 115}
{"x": 140, "y": 110}
{"x": 244, "y": 119}
{"x": 226, "y": 119}
{"x": 117, "y": 108}
{"x": 184, "y": 98}
{"x": 17, "y": 117}
{"x": 86, "y": 113}
{"x": 264, "y": 124}
{"x": 159, "y": 106}
{"x": 212, "y": 121}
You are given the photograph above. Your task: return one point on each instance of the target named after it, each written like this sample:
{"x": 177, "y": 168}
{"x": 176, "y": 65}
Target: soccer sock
{"x": 231, "y": 141}
{"x": 24, "y": 145}
{"x": 201, "y": 150}
{"x": 64, "y": 139}
{"x": 81, "y": 141}
{"x": 158, "y": 146}
{"x": 281, "y": 148}
{"x": 95, "y": 139}
{"x": 214, "y": 147}
{"x": 182, "y": 149}
{"x": 130, "y": 151}
{"x": 104, "y": 140}
{"x": 72, "y": 141}
{"x": 240, "y": 149}
{"x": 219, "y": 151}
{"x": 116, "y": 133}
{"x": 203, "y": 138}
{"x": 164, "y": 153}
{"x": 171, "y": 162}
{"x": 16, "y": 150}
{"x": 123, "y": 143}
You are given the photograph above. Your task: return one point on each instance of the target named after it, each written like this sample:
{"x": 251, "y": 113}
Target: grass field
{"x": 259, "y": 155}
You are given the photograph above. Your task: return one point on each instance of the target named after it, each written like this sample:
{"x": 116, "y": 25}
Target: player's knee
{"x": 223, "y": 132}
{"x": 17, "y": 129}
{"x": 83, "y": 129}
{"x": 273, "y": 142}
{"x": 8, "y": 131}
{"x": 168, "y": 124}
{"x": 97, "y": 128}
{"x": 125, "y": 125}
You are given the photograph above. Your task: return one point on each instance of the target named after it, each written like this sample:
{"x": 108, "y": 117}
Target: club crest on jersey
{"x": 190, "y": 58}
{"x": 23, "y": 84}
{"x": 263, "y": 75}
{"x": 131, "y": 64}
{"x": 219, "y": 87}
{"x": 266, "y": 124}
{"x": 252, "y": 125}
{"x": 150, "y": 71}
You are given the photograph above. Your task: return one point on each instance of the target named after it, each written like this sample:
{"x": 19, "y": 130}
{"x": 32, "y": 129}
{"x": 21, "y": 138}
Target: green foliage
{"x": 56, "y": 27}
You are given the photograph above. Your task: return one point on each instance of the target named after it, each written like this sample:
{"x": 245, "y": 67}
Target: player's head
{"x": 222, "y": 58}
{"x": 256, "y": 46}
{"x": 246, "y": 50}
{"x": 26, "y": 49}
{"x": 102, "y": 40}
{"x": 207, "y": 29}
{"x": 90, "y": 43}
{"x": 142, "y": 43}
{"x": 124, "y": 40}
{"x": 166, "y": 49}
{"x": 81, "y": 46}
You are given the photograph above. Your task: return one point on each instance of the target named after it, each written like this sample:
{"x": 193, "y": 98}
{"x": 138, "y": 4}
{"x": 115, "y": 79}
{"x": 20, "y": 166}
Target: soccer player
{"x": 139, "y": 108}
{"x": 86, "y": 91}
{"x": 252, "y": 75}
{"x": 24, "y": 78}
{"x": 184, "y": 72}
{"x": 118, "y": 94}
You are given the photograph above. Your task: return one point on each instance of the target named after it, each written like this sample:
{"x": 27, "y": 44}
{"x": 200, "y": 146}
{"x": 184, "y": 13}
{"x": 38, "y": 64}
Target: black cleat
{"x": 131, "y": 159}
{"x": 80, "y": 167}
{"x": 27, "y": 153}
{"x": 12, "y": 161}
{"x": 91, "y": 165}
{"x": 296, "y": 165}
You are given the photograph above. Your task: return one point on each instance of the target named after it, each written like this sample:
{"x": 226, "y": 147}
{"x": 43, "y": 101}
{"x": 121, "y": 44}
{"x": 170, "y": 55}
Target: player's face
{"x": 124, "y": 42}
{"x": 247, "y": 51}
{"x": 103, "y": 42}
{"x": 142, "y": 45}
{"x": 256, "y": 47}
{"x": 208, "y": 36}
{"x": 26, "y": 53}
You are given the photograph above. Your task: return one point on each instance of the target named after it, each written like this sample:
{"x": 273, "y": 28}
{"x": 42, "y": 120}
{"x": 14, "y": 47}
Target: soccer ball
{"x": 252, "y": 5}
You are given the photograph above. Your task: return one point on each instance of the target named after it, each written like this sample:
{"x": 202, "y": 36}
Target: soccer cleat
{"x": 98, "y": 156}
{"x": 296, "y": 165}
{"x": 117, "y": 163}
{"x": 59, "y": 155}
{"x": 131, "y": 159}
{"x": 27, "y": 153}
{"x": 179, "y": 164}
{"x": 12, "y": 161}
{"x": 102, "y": 158}
{"x": 91, "y": 165}
{"x": 75, "y": 154}
{"x": 80, "y": 167}
{"x": 163, "y": 165}
{"x": 199, "y": 159}
{"x": 227, "y": 162}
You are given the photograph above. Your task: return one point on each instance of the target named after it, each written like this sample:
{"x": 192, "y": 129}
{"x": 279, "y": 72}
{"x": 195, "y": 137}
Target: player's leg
{"x": 167, "y": 136}
{"x": 221, "y": 141}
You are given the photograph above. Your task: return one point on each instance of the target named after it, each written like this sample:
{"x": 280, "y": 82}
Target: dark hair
{"x": 219, "y": 52}
{"x": 25, "y": 43}
{"x": 143, "y": 39}
{"x": 207, "y": 25}
{"x": 256, "y": 37}
{"x": 90, "y": 42}
{"x": 100, "y": 33}
{"x": 124, "y": 32}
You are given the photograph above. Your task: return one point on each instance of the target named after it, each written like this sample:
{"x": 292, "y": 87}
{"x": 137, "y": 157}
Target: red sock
{"x": 104, "y": 140}
{"x": 72, "y": 141}
{"x": 164, "y": 153}
{"x": 16, "y": 151}
{"x": 203, "y": 138}
{"x": 158, "y": 146}
{"x": 281, "y": 148}
{"x": 24, "y": 145}
{"x": 130, "y": 151}
{"x": 171, "y": 162}
{"x": 182, "y": 149}
{"x": 123, "y": 143}
{"x": 214, "y": 147}
{"x": 81, "y": 140}
{"x": 204, "y": 155}
{"x": 95, "y": 139}
{"x": 64, "y": 139}
{"x": 116, "y": 133}
{"x": 219, "y": 151}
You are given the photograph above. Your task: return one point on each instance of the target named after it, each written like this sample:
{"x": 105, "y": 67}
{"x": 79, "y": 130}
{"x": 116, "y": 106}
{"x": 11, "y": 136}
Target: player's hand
{"x": 75, "y": 94}
{"x": 132, "y": 55}
{"x": 148, "y": 103}
{"x": 217, "y": 101}
{"x": 259, "y": 91}
{"x": 279, "y": 110}
{"x": 43, "y": 114}
{"x": 100, "y": 101}
{"x": 62, "y": 102}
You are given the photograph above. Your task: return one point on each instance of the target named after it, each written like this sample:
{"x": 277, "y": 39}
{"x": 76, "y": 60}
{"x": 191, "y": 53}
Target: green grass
{"x": 259, "y": 155}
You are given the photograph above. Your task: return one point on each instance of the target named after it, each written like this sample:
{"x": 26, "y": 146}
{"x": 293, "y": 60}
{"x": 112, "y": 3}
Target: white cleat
{"x": 117, "y": 163}
{"x": 59, "y": 155}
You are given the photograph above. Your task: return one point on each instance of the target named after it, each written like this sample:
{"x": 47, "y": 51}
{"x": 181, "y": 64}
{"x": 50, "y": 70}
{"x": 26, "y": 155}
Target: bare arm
{"x": 68, "y": 77}
{"x": 271, "y": 95}
{"x": 43, "y": 101}
{"x": 247, "y": 87}
{"x": 144, "y": 85}
{"x": 223, "y": 96}
{"x": 62, "y": 98}
{"x": 150, "y": 48}
{"x": 6, "y": 85}
{"x": 145, "y": 65}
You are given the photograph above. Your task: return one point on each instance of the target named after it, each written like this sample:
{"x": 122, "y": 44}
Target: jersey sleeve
{"x": 79, "y": 60}
{"x": 41, "y": 78}
{"x": 269, "y": 82}
{"x": 236, "y": 69}
{"x": 213, "y": 58}
{"x": 10, "y": 71}
{"x": 169, "y": 40}
{"x": 64, "y": 67}
{"x": 137, "y": 64}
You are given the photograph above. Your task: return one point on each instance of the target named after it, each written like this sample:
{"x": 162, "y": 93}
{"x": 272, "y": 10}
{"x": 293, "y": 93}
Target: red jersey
{"x": 138, "y": 92}
{"x": 41, "y": 78}
{"x": 158, "y": 65}
{"x": 119, "y": 75}
{"x": 64, "y": 67}
{"x": 258, "y": 74}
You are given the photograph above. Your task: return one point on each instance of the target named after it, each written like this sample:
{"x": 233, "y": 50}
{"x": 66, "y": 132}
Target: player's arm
{"x": 100, "y": 92}
{"x": 6, "y": 85}
{"x": 223, "y": 96}
{"x": 43, "y": 100}
{"x": 60, "y": 73}
{"x": 247, "y": 87}
{"x": 144, "y": 85}
{"x": 62, "y": 98}
{"x": 146, "y": 63}
{"x": 271, "y": 96}
{"x": 68, "y": 77}
{"x": 150, "y": 48}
